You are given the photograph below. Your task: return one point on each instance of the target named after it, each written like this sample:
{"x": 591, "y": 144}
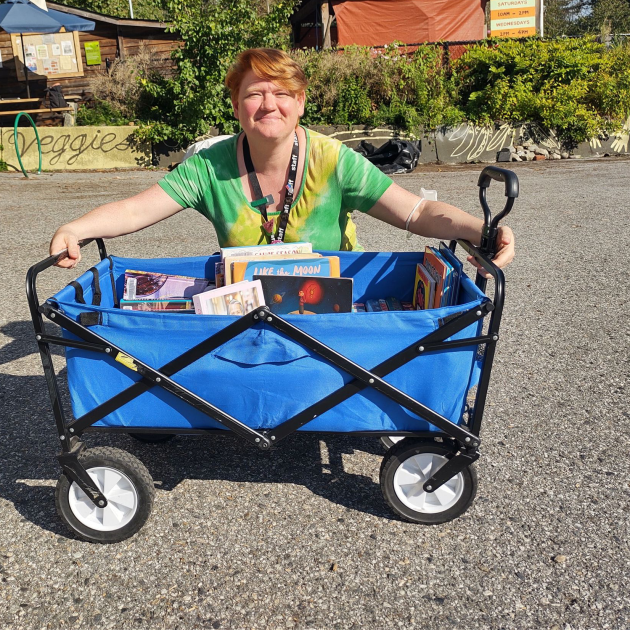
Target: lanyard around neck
{"x": 262, "y": 202}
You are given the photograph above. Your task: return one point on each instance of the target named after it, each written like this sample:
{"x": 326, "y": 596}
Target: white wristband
{"x": 412, "y": 213}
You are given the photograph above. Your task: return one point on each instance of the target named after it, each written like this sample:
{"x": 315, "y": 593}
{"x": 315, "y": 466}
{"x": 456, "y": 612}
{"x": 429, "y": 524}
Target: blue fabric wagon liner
{"x": 262, "y": 377}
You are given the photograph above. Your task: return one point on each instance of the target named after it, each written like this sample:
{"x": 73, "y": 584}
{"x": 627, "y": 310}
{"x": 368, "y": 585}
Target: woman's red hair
{"x": 269, "y": 64}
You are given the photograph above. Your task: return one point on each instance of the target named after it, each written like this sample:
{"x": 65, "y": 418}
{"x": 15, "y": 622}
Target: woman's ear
{"x": 235, "y": 108}
{"x": 301, "y": 99}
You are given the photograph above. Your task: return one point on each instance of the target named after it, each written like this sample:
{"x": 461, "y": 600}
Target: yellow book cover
{"x": 228, "y": 263}
{"x": 325, "y": 266}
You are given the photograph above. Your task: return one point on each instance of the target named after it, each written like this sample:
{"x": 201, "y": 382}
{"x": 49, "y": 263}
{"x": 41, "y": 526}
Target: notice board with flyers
{"x": 54, "y": 55}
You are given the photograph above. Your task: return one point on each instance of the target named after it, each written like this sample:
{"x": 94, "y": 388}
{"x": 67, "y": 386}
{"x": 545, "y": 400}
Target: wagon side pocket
{"x": 260, "y": 346}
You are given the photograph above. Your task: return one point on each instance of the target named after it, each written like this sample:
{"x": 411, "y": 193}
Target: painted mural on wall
{"x": 75, "y": 148}
{"x": 470, "y": 143}
{"x": 615, "y": 143}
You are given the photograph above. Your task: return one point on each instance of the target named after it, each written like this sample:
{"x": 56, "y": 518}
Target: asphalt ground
{"x": 302, "y": 538}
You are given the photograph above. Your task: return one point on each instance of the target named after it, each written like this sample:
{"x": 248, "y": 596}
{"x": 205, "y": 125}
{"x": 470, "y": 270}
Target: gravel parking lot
{"x": 301, "y": 537}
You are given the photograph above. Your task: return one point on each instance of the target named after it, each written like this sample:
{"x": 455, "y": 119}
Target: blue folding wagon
{"x": 402, "y": 376}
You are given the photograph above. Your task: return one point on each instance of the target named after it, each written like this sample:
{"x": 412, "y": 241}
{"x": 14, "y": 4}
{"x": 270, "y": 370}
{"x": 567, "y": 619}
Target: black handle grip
{"x": 35, "y": 270}
{"x": 500, "y": 175}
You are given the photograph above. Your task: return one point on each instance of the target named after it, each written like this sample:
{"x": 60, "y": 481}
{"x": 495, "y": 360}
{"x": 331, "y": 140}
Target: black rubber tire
{"x": 387, "y": 442}
{"x": 152, "y": 438}
{"x": 126, "y": 463}
{"x": 407, "y": 448}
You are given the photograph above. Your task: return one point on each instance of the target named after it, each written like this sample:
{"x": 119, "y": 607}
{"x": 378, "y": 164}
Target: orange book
{"x": 437, "y": 270}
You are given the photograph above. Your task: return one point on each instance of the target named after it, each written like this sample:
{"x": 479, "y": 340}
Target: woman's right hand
{"x": 66, "y": 239}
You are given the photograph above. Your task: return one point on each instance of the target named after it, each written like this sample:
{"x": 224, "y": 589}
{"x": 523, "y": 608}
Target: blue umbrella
{"x": 22, "y": 16}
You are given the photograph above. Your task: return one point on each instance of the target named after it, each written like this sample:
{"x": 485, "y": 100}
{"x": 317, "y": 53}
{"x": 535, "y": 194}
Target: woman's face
{"x": 267, "y": 110}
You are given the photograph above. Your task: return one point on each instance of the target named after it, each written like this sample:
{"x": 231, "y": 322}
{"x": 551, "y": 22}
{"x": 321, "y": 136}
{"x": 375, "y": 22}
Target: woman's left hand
{"x": 505, "y": 251}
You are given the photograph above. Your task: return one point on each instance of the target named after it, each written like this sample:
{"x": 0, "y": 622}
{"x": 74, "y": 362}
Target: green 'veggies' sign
{"x": 93, "y": 53}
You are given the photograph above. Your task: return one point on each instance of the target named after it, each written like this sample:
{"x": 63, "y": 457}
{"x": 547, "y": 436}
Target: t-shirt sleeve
{"x": 186, "y": 183}
{"x": 361, "y": 183}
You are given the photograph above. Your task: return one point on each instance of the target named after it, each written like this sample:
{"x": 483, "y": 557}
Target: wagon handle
{"x": 36, "y": 269}
{"x": 491, "y": 226}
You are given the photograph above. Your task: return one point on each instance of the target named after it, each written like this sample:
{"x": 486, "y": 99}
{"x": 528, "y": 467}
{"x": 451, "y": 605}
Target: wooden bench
{"x": 43, "y": 110}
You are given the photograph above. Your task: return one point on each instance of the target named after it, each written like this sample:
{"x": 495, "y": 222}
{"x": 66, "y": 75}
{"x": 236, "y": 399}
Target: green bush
{"x": 573, "y": 86}
{"x": 361, "y": 87}
{"x": 576, "y": 87}
{"x": 100, "y": 113}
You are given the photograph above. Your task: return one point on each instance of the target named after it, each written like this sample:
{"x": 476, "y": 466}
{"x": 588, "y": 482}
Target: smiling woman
{"x": 277, "y": 181}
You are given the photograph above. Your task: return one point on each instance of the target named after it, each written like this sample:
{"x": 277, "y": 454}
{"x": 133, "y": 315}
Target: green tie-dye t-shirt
{"x": 336, "y": 181}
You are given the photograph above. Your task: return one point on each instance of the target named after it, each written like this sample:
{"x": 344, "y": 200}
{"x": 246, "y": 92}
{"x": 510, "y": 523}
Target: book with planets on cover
{"x": 306, "y": 295}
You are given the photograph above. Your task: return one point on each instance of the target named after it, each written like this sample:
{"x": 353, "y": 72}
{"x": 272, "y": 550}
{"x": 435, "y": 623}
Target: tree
{"x": 611, "y": 15}
{"x": 142, "y": 9}
{"x": 564, "y": 17}
{"x": 213, "y": 33}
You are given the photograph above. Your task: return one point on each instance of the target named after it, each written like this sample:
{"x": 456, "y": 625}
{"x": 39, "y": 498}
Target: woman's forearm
{"x": 435, "y": 219}
{"x": 432, "y": 219}
{"x": 107, "y": 221}
{"x": 125, "y": 216}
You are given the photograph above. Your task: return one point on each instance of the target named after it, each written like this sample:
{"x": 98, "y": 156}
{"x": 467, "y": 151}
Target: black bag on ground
{"x": 55, "y": 96}
{"x": 395, "y": 156}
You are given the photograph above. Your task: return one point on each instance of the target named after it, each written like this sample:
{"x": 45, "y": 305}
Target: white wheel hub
{"x": 121, "y": 495}
{"x": 413, "y": 473}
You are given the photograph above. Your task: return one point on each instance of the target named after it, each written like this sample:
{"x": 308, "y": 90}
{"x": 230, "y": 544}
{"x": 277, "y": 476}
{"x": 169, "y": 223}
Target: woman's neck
{"x": 270, "y": 157}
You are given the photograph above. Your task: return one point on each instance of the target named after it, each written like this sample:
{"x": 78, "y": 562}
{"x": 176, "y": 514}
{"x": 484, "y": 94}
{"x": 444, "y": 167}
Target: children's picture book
{"x": 145, "y": 285}
{"x": 327, "y": 266}
{"x": 267, "y": 250}
{"x": 424, "y": 289}
{"x": 235, "y": 299}
{"x": 297, "y": 295}
{"x": 229, "y": 262}
{"x": 436, "y": 266}
{"x": 219, "y": 276}
{"x": 177, "y": 305}
{"x": 458, "y": 271}
{"x": 376, "y": 305}
{"x": 448, "y": 280}
{"x": 393, "y": 304}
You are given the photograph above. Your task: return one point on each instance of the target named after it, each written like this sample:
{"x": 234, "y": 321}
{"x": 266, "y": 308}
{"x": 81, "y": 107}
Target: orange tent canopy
{"x": 380, "y": 22}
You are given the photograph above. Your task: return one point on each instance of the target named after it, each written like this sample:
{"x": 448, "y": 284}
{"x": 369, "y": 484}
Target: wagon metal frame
{"x": 465, "y": 437}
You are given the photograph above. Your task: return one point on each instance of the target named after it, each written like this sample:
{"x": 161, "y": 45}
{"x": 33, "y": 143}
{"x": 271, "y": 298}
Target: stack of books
{"x": 437, "y": 279}
{"x": 288, "y": 278}
{"x": 149, "y": 291}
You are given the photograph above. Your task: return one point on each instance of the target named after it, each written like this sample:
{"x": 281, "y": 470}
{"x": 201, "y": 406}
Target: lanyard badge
{"x": 263, "y": 202}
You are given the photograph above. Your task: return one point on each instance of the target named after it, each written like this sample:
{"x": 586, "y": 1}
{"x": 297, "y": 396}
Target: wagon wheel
{"x": 407, "y": 466}
{"x": 127, "y": 486}
{"x": 389, "y": 440}
{"x": 152, "y": 438}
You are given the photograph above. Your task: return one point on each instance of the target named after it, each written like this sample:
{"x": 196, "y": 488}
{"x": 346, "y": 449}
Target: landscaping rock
{"x": 520, "y": 147}
{"x": 515, "y": 158}
{"x": 564, "y": 156}
{"x": 575, "y": 156}
{"x": 529, "y": 155}
{"x": 531, "y": 147}
{"x": 511, "y": 149}
{"x": 542, "y": 152}
{"x": 504, "y": 155}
